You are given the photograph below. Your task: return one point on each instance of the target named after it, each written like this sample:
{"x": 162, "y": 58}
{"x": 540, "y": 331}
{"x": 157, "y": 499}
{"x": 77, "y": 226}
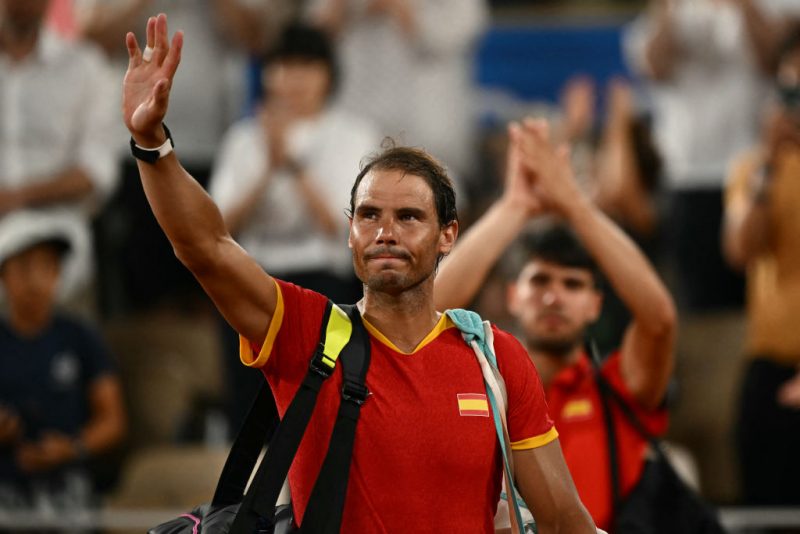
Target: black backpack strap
{"x": 258, "y": 427}
{"x": 259, "y": 502}
{"x": 607, "y": 392}
{"x": 323, "y": 514}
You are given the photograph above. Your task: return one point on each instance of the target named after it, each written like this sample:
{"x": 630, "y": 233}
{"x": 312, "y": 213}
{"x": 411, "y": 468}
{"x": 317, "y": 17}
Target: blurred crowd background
{"x": 662, "y": 102}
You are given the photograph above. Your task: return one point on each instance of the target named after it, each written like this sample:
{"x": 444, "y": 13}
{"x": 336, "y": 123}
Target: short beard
{"x": 559, "y": 348}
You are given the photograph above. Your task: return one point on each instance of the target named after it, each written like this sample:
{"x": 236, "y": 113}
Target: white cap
{"x": 23, "y": 229}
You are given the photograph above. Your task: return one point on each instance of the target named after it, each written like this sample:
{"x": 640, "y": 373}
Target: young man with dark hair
{"x": 419, "y": 462}
{"x": 556, "y": 296}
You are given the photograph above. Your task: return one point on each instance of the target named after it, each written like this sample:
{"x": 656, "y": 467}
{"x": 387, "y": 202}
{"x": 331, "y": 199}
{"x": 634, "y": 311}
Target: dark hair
{"x": 414, "y": 161}
{"x": 557, "y": 243}
{"x": 304, "y": 42}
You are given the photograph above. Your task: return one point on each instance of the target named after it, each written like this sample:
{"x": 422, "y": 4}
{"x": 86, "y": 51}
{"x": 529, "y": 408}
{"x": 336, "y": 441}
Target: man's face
{"x": 395, "y": 234}
{"x": 31, "y": 280}
{"x": 300, "y": 84}
{"x": 23, "y": 16}
{"x": 554, "y": 304}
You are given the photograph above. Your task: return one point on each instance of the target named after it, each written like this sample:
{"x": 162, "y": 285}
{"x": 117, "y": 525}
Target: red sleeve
{"x": 655, "y": 421}
{"x": 292, "y": 337}
{"x": 529, "y": 423}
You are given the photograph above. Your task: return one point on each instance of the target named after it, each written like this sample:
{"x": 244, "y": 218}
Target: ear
{"x": 350, "y": 232}
{"x": 596, "y": 305}
{"x": 447, "y": 238}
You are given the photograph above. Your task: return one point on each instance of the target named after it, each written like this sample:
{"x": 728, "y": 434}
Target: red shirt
{"x": 575, "y": 405}
{"x": 426, "y": 457}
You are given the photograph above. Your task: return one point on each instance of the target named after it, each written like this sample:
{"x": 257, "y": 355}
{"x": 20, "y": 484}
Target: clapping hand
{"x": 548, "y": 167}
{"x": 147, "y": 83}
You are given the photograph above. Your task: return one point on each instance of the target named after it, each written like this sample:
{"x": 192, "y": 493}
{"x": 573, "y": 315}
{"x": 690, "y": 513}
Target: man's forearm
{"x": 463, "y": 272}
{"x": 629, "y": 272}
{"x": 190, "y": 219}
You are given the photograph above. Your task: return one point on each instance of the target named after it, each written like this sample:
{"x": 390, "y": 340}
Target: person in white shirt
{"x": 57, "y": 149}
{"x": 407, "y": 66}
{"x": 706, "y": 63}
{"x": 282, "y": 178}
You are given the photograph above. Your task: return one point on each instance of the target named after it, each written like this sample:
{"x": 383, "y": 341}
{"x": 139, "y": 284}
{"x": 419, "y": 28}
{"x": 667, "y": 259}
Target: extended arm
{"x": 547, "y": 488}
{"x": 647, "y": 348}
{"x": 746, "y": 229}
{"x": 619, "y": 186}
{"x": 244, "y": 294}
{"x": 107, "y": 424}
{"x": 463, "y": 272}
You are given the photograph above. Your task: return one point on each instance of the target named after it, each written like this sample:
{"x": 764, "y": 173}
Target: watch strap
{"x": 151, "y": 155}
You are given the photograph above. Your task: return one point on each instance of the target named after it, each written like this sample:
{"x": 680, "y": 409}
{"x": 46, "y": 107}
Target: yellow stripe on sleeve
{"x": 536, "y": 441}
{"x": 246, "y": 351}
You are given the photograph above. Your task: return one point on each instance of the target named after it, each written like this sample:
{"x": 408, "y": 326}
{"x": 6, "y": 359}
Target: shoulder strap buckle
{"x": 321, "y": 364}
{"x": 354, "y": 392}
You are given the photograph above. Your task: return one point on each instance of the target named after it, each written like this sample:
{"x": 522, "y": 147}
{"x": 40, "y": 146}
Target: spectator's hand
{"x": 145, "y": 92}
{"x": 275, "y": 121}
{"x": 519, "y": 191}
{"x": 789, "y": 393}
{"x": 620, "y": 101}
{"x": 549, "y": 168}
{"x": 10, "y": 425}
{"x": 578, "y": 104}
{"x": 53, "y": 450}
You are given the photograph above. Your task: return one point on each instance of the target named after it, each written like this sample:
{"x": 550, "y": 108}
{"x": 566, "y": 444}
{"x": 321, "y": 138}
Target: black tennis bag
{"x": 231, "y": 510}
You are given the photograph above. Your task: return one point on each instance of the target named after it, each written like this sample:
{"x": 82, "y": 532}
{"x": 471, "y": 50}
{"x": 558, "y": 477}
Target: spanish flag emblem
{"x": 473, "y": 404}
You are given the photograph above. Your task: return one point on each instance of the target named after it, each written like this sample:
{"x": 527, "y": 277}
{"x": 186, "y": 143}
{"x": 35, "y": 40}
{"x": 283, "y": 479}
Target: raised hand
{"x": 549, "y": 167}
{"x": 519, "y": 190}
{"x": 145, "y": 93}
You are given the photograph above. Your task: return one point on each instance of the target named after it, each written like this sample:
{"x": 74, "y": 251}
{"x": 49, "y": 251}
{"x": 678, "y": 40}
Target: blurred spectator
{"x": 708, "y": 64}
{"x": 283, "y": 177}
{"x": 60, "y": 400}
{"x": 407, "y": 66}
{"x": 213, "y": 77}
{"x": 56, "y": 118}
{"x": 762, "y": 233}
{"x": 557, "y": 294}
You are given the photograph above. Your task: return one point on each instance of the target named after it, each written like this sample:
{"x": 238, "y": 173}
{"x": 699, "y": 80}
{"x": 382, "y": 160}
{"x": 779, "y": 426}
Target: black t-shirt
{"x": 46, "y": 379}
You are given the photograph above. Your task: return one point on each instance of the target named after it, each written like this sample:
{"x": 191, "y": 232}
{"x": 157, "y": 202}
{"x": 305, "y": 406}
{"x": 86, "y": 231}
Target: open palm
{"x": 145, "y": 91}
